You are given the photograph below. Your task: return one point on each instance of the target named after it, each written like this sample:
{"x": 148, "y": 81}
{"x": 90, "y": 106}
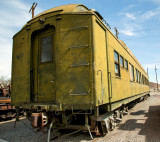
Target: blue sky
{"x": 138, "y": 22}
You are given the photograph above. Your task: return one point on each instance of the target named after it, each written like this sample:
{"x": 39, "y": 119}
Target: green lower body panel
{"x": 117, "y": 104}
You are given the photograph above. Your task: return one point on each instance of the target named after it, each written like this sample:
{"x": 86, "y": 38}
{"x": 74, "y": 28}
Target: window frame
{"x": 125, "y": 61}
{"x": 117, "y": 63}
{"x": 132, "y": 76}
{"x": 41, "y": 37}
{"x": 121, "y": 57}
{"x": 140, "y": 77}
{"x": 136, "y": 75}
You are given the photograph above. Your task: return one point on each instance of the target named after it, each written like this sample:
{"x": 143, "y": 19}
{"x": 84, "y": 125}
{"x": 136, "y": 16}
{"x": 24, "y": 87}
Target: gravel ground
{"x": 142, "y": 124}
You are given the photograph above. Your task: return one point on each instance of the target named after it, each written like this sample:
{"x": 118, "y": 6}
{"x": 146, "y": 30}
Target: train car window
{"x": 126, "y": 64}
{"x": 116, "y": 56}
{"x": 121, "y": 61}
{"x": 145, "y": 80}
{"x": 130, "y": 69}
{"x": 142, "y": 79}
{"x": 139, "y": 77}
{"x": 136, "y": 75}
{"x": 117, "y": 68}
{"x": 46, "y": 49}
{"x": 131, "y": 72}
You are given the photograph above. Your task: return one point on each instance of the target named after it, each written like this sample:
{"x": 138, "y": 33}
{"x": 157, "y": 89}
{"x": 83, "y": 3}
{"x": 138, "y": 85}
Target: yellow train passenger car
{"x": 70, "y": 71}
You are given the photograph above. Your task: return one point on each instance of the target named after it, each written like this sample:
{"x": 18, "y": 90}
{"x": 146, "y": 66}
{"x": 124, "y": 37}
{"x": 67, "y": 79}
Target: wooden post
{"x": 32, "y": 9}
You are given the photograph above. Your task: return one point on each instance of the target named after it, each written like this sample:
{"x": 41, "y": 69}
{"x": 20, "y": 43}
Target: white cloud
{"x": 129, "y": 7}
{"x": 127, "y": 32}
{"x": 14, "y": 14}
{"x": 150, "y": 14}
{"x": 128, "y": 21}
{"x": 137, "y": 22}
{"x": 130, "y": 16}
{"x": 134, "y": 22}
{"x": 129, "y": 28}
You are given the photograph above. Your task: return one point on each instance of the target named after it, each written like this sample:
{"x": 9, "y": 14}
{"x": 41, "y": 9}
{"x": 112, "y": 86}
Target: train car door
{"x": 101, "y": 68}
{"x": 44, "y": 66}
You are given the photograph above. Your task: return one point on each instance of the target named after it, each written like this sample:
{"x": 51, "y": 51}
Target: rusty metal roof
{"x": 65, "y": 9}
{"x": 62, "y": 9}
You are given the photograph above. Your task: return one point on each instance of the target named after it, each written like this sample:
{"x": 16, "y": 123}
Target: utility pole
{"x": 32, "y": 9}
{"x": 156, "y": 76}
{"x": 116, "y": 30}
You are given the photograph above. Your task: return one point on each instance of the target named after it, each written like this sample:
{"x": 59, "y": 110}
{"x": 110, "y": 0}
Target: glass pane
{"x": 115, "y": 56}
{"x": 133, "y": 72}
{"x": 142, "y": 79}
{"x": 139, "y": 77}
{"x": 130, "y": 67}
{"x": 46, "y": 49}
{"x": 136, "y": 75}
{"x": 116, "y": 68}
{"x": 126, "y": 64}
{"x": 121, "y": 61}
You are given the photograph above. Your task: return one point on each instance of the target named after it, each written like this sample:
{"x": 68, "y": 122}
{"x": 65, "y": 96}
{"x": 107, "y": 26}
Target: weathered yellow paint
{"x": 43, "y": 73}
{"x": 100, "y": 64}
{"x": 122, "y": 87}
{"x": 21, "y": 69}
{"x": 83, "y": 49}
{"x": 74, "y": 60}
{"x": 73, "y": 63}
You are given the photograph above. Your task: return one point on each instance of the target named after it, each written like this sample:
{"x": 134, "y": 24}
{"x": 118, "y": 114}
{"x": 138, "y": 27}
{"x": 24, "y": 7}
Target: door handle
{"x": 110, "y": 82}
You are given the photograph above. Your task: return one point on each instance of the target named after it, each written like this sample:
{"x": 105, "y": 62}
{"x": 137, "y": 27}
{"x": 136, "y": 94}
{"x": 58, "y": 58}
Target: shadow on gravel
{"x": 149, "y": 127}
{"x": 141, "y": 112}
{"x": 77, "y": 137}
{"x": 130, "y": 125}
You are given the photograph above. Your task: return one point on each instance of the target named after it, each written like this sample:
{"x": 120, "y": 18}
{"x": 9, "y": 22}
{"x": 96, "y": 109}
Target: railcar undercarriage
{"x": 95, "y": 121}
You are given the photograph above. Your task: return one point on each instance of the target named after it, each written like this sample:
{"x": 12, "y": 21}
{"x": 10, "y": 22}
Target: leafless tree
{"x": 4, "y": 81}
